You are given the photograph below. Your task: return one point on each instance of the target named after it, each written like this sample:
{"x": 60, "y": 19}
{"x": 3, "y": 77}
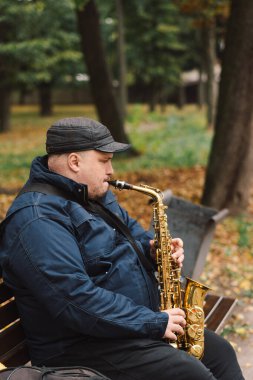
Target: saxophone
{"x": 190, "y": 298}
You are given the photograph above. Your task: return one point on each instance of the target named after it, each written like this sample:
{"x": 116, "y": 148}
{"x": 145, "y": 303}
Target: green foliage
{"x": 39, "y": 41}
{"x": 155, "y": 50}
{"x": 153, "y": 29}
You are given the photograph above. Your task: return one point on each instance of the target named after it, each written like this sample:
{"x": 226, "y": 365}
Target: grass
{"x": 175, "y": 138}
{"x": 245, "y": 229}
{"x": 171, "y": 139}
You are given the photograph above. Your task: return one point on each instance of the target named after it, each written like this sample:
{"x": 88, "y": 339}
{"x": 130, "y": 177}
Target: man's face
{"x": 95, "y": 171}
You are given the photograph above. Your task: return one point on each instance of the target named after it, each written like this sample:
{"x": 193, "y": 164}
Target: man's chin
{"x": 100, "y": 193}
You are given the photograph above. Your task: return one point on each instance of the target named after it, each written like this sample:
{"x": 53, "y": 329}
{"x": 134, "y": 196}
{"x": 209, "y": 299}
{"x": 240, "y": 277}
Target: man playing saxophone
{"x": 84, "y": 290}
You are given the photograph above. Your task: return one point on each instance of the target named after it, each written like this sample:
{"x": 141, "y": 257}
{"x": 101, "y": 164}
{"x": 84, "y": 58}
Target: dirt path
{"x": 244, "y": 344}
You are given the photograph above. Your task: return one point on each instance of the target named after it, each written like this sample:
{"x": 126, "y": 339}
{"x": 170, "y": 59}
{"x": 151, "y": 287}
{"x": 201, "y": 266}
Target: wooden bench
{"x": 13, "y": 348}
{"x": 218, "y": 309}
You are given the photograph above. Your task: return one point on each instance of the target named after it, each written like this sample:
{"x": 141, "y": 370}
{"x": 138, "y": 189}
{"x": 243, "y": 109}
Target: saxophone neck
{"x": 153, "y": 192}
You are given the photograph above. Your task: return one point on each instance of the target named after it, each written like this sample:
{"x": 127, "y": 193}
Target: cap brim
{"x": 113, "y": 147}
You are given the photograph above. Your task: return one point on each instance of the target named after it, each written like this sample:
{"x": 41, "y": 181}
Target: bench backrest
{"x": 195, "y": 225}
{"x": 13, "y": 349}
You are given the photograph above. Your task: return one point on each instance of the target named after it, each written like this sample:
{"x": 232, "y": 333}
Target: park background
{"x": 173, "y": 78}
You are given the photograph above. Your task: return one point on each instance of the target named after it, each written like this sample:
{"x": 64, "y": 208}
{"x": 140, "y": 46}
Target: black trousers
{"x": 139, "y": 359}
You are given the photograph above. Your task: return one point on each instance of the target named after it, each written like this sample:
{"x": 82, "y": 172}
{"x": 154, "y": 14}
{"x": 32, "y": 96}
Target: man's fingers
{"x": 178, "y": 253}
{"x": 180, "y": 320}
{"x": 175, "y": 328}
{"x": 176, "y": 311}
{"x": 171, "y": 336}
{"x": 176, "y": 323}
{"x": 177, "y": 242}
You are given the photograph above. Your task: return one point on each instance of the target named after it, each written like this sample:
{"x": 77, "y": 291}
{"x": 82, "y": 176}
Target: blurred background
{"x": 173, "y": 78}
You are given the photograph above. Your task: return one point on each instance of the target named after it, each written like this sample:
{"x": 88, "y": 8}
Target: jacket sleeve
{"x": 54, "y": 271}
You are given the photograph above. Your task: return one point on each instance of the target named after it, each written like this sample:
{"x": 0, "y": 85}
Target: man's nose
{"x": 110, "y": 170}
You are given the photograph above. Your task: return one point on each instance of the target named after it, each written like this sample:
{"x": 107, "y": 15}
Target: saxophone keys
{"x": 197, "y": 351}
{"x": 195, "y": 314}
{"x": 195, "y": 331}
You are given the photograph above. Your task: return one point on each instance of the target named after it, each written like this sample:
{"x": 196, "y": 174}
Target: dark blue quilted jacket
{"x": 74, "y": 276}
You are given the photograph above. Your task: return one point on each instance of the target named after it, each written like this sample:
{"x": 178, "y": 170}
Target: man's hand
{"x": 175, "y": 324}
{"x": 176, "y": 250}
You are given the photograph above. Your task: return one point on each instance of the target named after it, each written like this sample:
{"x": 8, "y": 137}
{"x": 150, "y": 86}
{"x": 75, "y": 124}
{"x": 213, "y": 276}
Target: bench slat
{"x": 217, "y": 318}
{"x": 210, "y": 302}
{"x": 19, "y": 355}
{"x": 5, "y": 293}
{"x": 8, "y": 314}
{"x": 217, "y": 310}
{"x": 11, "y": 337}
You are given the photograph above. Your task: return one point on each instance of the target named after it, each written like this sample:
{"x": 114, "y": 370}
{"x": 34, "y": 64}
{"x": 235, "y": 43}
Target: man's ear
{"x": 74, "y": 162}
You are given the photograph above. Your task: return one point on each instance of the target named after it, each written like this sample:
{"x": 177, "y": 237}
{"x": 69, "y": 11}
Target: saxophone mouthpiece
{"x": 112, "y": 183}
{"x": 120, "y": 184}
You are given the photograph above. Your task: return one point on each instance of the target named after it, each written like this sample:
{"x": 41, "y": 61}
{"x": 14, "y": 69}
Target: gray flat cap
{"x": 80, "y": 133}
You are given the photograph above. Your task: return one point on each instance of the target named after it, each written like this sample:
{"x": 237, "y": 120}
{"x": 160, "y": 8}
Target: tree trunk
{"x": 23, "y": 92}
{"x": 210, "y": 61}
{"x": 122, "y": 58}
{"x": 181, "y": 96}
{"x": 152, "y": 103}
{"x": 229, "y": 172}
{"x": 100, "y": 79}
{"x": 201, "y": 89}
{"x": 5, "y": 109}
{"x": 45, "y": 99}
{"x": 163, "y": 100}
{"x": 153, "y": 100}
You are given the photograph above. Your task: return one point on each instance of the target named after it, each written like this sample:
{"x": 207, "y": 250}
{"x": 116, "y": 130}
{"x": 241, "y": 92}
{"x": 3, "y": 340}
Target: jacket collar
{"x": 40, "y": 173}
